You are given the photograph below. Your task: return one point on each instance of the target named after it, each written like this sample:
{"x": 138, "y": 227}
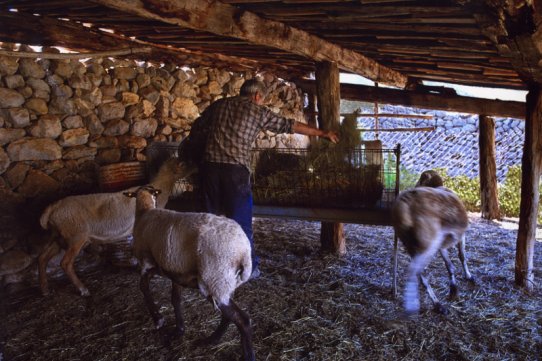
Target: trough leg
{"x": 241, "y": 319}
{"x": 51, "y": 250}
{"x": 451, "y": 272}
{"x": 67, "y": 265}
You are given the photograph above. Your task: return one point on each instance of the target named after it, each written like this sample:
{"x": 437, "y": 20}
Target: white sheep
{"x": 197, "y": 250}
{"x": 427, "y": 220}
{"x": 77, "y": 221}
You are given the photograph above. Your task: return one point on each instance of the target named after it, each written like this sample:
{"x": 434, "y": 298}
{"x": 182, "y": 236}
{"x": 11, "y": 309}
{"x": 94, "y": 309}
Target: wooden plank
{"x": 226, "y": 20}
{"x": 453, "y": 103}
{"x": 530, "y": 179}
{"x": 378, "y": 216}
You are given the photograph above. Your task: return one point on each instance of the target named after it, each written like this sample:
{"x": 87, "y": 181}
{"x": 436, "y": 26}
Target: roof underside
{"x": 477, "y": 43}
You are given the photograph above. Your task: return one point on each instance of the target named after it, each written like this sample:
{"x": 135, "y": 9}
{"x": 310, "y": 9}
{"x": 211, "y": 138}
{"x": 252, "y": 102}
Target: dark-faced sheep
{"x": 77, "y": 221}
{"x": 429, "y": 220}
{"x": 430, "y": 178}
{"x": 198, "y": 250}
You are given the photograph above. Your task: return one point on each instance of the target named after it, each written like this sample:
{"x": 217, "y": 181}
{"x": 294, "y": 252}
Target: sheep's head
{"x": 145, "y": 196}
{"x": 430, "y": 178}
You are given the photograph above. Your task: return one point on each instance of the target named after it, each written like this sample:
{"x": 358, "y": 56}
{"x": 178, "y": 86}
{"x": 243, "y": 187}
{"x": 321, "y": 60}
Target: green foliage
{"x": 510, "y": 192}
{"x": 408, "y": 179}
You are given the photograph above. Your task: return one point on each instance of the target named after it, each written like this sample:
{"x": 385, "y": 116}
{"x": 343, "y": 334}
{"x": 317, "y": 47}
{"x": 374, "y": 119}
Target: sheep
{"x": 427, "y": 220}
{"x": 76, "y": 221}
{"x": 430, "y": 178}
{"x": 197, "y": 250}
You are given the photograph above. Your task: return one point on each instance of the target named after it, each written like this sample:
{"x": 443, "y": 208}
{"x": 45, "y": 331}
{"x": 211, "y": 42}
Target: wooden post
{"x": 488, "y": 169}
{"x": 530, "y": 175}
{"x": 329, "y": 98}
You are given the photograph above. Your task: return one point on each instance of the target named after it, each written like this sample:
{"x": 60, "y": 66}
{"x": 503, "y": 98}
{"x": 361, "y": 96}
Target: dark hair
{"x": 252, "y": 86}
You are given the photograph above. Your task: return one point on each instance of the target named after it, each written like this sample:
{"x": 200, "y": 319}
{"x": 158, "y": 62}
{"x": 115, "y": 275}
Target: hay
{"x": 324, "y": 175}
{"x": 305, "y": 306}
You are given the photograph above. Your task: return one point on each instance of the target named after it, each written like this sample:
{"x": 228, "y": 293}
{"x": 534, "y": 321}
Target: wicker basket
{"x": 119, "y": 176}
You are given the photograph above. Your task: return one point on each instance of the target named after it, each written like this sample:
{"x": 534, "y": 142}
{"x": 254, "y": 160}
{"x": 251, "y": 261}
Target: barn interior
{"x": 334, "y": 297}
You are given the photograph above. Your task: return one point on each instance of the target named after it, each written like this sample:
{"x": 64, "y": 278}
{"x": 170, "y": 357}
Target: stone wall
{"x": 453, "y": 144}
{"x": 60, "y": 120}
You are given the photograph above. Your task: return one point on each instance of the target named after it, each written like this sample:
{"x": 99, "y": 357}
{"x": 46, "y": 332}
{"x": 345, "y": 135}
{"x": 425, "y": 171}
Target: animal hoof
{"x": 440, "y": 309}
{"x": 45, "y": 293}
{"x": 206, "y": 341}
{"x": 408, "y": 315}
{"x": 472, "y": 281}
{"x": 454, "y": 293}
{"x": 84, "y": 292}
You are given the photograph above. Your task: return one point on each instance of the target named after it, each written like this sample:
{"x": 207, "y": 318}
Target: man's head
{"x": 254, "y": 89}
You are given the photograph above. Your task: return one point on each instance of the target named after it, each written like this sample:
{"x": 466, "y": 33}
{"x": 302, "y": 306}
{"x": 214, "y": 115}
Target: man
{"x": 229, "y": 127}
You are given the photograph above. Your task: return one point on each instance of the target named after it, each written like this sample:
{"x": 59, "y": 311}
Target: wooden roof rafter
{"x": 46, "y": 31}
{"x": 225, "y": 20}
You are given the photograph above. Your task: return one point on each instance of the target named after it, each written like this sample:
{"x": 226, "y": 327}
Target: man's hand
{"x": 332, "y": 135}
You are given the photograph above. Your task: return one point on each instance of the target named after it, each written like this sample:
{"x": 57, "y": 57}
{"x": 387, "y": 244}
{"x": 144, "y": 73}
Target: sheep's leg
{"x": 144, "y": 286}
{"x": 241, "y": 319}
{"x": 463, "y": 259}
{"x": 451, "y": 272}
{"x": 176, "y": 301}
{"x": 215, "y": 337}
{"x": 51, "y": 250}
{"x": 394, "y": 261}
{"x": 436, "y": 304}
{"x": 67, "y": 266}
{"x": 417, "y": 265}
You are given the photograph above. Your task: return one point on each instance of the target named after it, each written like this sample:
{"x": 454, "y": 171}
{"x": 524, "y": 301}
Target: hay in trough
{"x": 305, "y": 306}
{"x": 324, "y": 175}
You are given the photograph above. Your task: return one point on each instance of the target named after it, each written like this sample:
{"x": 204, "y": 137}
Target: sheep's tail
{"x": 245, "y": 267}
{"x": 44, "y": 219}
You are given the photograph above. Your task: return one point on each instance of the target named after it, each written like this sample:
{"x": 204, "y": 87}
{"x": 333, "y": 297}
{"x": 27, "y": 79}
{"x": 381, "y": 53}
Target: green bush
{"x": 408, "y": 179}
{"x": 467, "y": 189}
{"x": 510, "y": 192}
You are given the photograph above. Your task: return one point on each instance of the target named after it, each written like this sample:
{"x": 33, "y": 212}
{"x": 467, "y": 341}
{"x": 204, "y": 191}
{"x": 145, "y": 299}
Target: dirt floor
{"x": 305, "y": 306}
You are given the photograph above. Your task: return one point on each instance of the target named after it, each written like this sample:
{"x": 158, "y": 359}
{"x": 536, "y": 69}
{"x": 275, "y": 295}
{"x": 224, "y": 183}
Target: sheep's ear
{"x": 129, "y": 194}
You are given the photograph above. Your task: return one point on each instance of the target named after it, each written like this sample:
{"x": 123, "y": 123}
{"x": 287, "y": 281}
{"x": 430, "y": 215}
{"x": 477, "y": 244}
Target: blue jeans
{"x": 227, "y": 191}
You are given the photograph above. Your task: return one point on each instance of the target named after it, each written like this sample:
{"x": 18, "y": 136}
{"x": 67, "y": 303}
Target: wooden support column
{"x": 488, "y": 169}
{"x": 329, "y": 97}
{"x": 530, "y": 176}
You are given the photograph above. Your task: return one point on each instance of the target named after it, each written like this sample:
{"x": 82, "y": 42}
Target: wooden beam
{"x": 425, "y": 100}
{"x": 515, "y": 28}
{"x": 328, "y": 101}
{"x": 488, "y": 169}
{"x": 44, "y": 31}
{"x": 226, "y": 20}
{"x": 530, "y": 178}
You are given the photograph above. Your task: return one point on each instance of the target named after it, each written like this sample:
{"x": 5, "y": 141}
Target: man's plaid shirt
{"x": 234, "y": 124}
